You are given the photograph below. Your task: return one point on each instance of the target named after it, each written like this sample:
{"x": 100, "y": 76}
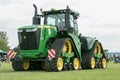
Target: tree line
{"x": 4, "y": 41}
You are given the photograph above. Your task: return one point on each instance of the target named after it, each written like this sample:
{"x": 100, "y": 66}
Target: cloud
{"x": 13, "y": 15}
{"x": 100, "y": 19}
{"x": 107, "y": 34}
{"x": 9, "y": 2}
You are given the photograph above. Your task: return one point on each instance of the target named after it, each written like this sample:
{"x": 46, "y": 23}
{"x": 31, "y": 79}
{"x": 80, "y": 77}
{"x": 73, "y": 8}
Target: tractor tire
{"x": 88, "y": 60}
{"x": 56, "y": 64}
{"x": 17, "y": 64}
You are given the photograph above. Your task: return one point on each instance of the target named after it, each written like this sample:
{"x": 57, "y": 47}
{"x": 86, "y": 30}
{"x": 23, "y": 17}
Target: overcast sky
{"x": 98, "y": 18}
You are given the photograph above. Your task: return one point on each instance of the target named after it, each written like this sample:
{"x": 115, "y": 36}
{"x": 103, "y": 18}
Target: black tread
{"x": 57, "y": 46}
{"x": 86, "y": 58}
{"x": 17, "y": 64}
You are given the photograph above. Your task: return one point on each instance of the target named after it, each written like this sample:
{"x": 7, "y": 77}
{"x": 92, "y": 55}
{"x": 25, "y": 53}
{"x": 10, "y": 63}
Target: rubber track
{"x": 86, "y": 58}
{"x": 17, "y": 64}
{"x": 57, "y": 46}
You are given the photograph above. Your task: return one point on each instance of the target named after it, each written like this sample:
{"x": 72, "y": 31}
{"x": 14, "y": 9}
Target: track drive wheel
{"x": 97, "y": 49}
{"x": 67, "y": 48}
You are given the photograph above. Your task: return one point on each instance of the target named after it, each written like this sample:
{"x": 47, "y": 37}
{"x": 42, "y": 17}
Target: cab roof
{"x": 53, "y": 11}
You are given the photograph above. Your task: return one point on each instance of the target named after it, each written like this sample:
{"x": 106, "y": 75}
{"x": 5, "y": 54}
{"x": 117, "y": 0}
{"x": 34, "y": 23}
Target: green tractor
{"x": 55, "y": 45}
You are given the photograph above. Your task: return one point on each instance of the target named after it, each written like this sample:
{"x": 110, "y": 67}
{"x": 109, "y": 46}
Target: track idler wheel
{"x": 103, "y": 63}
{"x": 76, "y": 63}
{"x": 60, "y": 64}
{"x": 26, "y": 64}
{"x": 93, "y": 63}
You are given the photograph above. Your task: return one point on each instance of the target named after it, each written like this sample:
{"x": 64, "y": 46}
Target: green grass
{"x": 112, "y": 72}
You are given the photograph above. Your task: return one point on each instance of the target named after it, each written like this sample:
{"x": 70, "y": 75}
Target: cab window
{"x": 72, "y": 21}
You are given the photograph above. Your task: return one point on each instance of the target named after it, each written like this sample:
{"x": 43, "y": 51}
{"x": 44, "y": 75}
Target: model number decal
{"x": 49, "y": 31}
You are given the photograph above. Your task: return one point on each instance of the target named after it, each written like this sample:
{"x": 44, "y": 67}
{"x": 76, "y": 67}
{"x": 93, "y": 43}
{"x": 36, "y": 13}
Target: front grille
{"x": 29, "y": 40}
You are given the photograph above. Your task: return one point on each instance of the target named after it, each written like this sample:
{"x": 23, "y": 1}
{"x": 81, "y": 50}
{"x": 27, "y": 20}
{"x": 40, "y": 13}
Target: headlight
{"x": 31, "y": 30}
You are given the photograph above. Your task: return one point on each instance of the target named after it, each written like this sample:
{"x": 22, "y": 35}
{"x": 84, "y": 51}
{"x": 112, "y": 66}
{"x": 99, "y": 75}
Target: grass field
{"x": 112, "y": 72}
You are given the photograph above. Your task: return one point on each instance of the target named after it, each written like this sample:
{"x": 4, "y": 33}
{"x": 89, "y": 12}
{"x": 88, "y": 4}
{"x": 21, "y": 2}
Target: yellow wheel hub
{"x": 104, "y": 63}
{"x": 76, "y": 63}
{"x": 59, "y": 64}
{"x": 92, "y": 62}
{"x": 97, "y": 49}
{"x": 67, "y": 48}
{"x": 26, "y": 65}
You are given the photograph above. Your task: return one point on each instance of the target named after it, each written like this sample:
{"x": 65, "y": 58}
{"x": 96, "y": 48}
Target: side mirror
{"x": 75, "y": 17}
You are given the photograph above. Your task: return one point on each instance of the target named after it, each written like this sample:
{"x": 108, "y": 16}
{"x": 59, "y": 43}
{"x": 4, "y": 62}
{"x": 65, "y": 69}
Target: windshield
{"x": 55, "y": 19}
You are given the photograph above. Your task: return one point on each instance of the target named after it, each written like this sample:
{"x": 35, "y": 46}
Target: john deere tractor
{"x": 56, "y": 45}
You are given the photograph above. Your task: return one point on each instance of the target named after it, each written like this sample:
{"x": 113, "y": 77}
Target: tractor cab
{"x": 65, "y": 19}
